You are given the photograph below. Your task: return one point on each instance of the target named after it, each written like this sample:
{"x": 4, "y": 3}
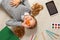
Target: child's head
{"x": 30, "y": 21}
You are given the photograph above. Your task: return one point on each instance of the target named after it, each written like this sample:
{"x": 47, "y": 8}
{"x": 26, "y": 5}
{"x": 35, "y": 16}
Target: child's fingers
{"x": 16, "y": 5}
{"x": 12, "y": 4}
{"x": 12, "y": 0}
{"x": 24, "y": 25}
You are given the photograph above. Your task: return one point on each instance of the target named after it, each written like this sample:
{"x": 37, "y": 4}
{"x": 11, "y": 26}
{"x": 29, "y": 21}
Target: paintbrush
{"x": 51, "y": 34}
{"x": 43, "y": 36}
{"x": 32, "y": 37}
{"x": 35, "y": 38}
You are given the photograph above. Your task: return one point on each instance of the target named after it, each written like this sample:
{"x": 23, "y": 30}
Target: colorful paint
{"x": 56, "y": 26}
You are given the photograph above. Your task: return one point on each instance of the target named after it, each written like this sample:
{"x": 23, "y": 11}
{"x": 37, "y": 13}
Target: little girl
{"x": 19, "y": 10}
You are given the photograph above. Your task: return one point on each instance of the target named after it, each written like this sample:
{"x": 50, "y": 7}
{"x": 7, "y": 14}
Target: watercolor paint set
{"x": 56, "y": 26}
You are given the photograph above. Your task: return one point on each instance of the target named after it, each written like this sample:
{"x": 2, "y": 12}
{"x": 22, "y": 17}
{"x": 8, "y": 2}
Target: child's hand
{"x": 15, "y": 3}
{"x": 25, "y": 25}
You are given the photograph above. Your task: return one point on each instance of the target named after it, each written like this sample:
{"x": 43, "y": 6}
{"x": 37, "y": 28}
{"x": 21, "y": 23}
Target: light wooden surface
{"x": 44, "y": 21}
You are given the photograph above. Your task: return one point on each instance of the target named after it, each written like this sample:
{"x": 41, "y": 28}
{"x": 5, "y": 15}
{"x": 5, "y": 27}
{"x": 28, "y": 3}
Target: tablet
{"x": 51, "y": 8}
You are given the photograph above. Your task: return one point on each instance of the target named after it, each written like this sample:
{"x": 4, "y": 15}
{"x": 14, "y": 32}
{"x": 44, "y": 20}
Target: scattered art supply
{"x": 52, "y": 34}
{"x": 32, "y": 37}
{"x": 43, "y": 36}
{"x": 35, "y": 38}
{"x": 49, "y": 35}
{"x": 7, "y": 34}
{"x": 56, "y": 26}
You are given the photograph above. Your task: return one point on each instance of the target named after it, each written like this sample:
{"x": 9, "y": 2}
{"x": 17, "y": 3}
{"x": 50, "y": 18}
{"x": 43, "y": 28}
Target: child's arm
{"x": 27, "y": 6}
{"x": 14, "y": 22}
{"x": 26, "y": 3}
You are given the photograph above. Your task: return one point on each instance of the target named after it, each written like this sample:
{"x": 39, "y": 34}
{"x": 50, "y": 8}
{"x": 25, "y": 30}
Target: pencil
{"x": 53, "y": 33}
{"x": 43, "y": 36}
{"x": 49, "y": 35}
{"x": 32, "y": 37}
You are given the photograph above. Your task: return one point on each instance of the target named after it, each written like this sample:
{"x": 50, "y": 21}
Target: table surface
{"x": 44, "y": 21}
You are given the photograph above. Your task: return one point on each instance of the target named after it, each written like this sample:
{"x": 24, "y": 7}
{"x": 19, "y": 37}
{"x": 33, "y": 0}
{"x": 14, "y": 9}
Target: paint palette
{"x": 56, "y": 26}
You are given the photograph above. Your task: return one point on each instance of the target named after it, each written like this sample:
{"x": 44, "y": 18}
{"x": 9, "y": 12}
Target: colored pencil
{"x": 43, "y": 36}
{"x": 49, "y": 35}
{"x": 53, "y": 33}
{"x": 32, "y": 37}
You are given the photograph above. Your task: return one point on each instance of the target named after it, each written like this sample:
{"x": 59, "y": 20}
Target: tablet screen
{"x": 51, "y": 8}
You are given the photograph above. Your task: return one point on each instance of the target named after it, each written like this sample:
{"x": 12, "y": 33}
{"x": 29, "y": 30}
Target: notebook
{"x": 7, "y": 34}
